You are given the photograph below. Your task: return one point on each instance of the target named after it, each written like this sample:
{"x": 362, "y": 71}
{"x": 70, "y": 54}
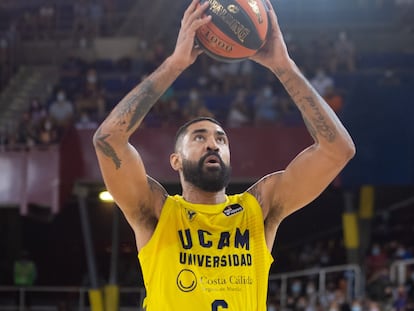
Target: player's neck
{"x": 195, "y": 195}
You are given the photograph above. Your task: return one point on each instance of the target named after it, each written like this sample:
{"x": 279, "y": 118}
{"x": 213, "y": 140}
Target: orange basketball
{"x": 238, "y": 28}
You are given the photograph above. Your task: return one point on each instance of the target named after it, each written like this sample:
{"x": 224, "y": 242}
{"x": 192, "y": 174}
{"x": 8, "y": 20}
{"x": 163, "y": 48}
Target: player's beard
{"x": 209, "y": 179}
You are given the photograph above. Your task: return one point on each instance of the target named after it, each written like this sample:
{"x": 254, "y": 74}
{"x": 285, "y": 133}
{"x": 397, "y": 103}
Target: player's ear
{"x": 175, "y": 161}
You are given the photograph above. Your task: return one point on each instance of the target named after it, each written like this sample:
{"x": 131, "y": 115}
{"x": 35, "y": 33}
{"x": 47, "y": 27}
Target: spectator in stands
{"x": 402, "y": 252}
{"x": 37, "y": 110}
{"x": 61, "y": 110}
{"x": 24, "y": 275}
{"x": 92, "y": 98}
{"x": 236, "y": 75}
{"x": 409, "y": 284}
{"x": 239, "y": 114}
{"x": 401, "y": 299}
{"x": 214, "y": 76}
{"x": 344, "y": 56}
{"x": 84, "y": 121}
{"x": 171, "y": 110}
{"x": 48, "y": 132}
{"x": 26, "y": 131}
{"x": 311, "y": 293}
{"x": 334, "y": 98}
{"x": 195, "y": 107}
{"x": 81, "y": 23}
{"x": 376, "y": 261}
{"x": 389, "y": 79}
{"x": 379, "y": 287}
{"x": 96, "y": 16}
{"x": 321, "y": 81}
{"x": 47, "y": 20}
{"x": 356, "y": 305}
{"x": 25, "y": 270}
{"x": 266, "y": 108}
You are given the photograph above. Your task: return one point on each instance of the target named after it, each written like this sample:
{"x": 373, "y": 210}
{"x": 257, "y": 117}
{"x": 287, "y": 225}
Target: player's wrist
{"x": 282, "y": 66}
{"x": 176, "y": 64}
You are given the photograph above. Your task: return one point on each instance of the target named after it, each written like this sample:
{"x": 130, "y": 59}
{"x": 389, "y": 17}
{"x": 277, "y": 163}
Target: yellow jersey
{"x": 207, "y": 257}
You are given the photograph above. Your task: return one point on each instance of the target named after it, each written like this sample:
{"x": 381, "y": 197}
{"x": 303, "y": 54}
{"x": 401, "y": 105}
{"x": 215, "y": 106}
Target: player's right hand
{"x": 185, "y": 53}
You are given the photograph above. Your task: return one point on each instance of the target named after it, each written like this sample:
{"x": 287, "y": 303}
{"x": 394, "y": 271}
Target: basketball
{"x": 238, "y": 28}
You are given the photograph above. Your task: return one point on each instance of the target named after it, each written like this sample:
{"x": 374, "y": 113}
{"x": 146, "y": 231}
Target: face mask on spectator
{"x": 296, "y": 288}
{"x": 91, "y": 78}
{"x": 48, "y": 125}
{"x": 193, "y": 95}
{"x": 61, "y": 96}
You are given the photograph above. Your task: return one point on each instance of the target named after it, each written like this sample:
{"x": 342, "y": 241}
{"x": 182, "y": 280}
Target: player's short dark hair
{"x": 183, "y": 129}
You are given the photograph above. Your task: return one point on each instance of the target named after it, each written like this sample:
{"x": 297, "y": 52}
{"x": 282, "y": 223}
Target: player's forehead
{"x": 205, "y": 126}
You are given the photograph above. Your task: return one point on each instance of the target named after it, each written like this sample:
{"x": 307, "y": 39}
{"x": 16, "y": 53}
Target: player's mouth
{"x": 212, "y": 161}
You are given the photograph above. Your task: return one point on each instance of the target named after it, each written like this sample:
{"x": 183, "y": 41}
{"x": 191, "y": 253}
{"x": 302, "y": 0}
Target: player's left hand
{"x": 274, "y": 53}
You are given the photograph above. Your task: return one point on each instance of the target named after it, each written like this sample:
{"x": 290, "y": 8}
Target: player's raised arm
{"x": 313, "y": 169}
{"x": 124, "y": 174}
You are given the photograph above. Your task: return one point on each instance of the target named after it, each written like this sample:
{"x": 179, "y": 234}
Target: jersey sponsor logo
{"x": 190, "y": 214}
{"x": 210, "y": 261}
{"x": 186, "y": 280}
{"x": 232, "y": 209}
{"x": 237, "y": 239}
{"x": 236, "y": 242}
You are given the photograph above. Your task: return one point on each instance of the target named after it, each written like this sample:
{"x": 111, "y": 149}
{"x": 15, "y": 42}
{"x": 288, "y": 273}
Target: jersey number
{"x": 219, "y": 303}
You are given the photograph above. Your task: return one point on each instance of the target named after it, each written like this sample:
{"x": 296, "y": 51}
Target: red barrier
{"x": 46, "y": 177}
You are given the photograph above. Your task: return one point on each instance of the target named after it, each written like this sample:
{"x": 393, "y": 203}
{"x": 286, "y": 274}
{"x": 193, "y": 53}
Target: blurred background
{"x": 65, "y": 64}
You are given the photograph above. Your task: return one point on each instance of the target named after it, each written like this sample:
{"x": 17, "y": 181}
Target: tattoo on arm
{"x": 317, "y": 124}
{"x": 107, "y": 149}
{"x": 323, "y": 128}
{"x": 137, "y": 104}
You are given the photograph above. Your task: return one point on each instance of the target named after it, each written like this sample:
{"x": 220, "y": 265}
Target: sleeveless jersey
{"x": 207, "y": 257}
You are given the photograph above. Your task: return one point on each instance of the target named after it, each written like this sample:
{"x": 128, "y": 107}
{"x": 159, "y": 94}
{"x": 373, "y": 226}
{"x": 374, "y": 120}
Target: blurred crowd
{"x": 385, "y": 288}
{"x": 237, "y": 94}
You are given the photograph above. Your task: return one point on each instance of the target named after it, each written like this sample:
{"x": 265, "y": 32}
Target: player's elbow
{"x": 347, "y": 150}
{"x": 350, "y": 149}
{"x": 96, "y": 137}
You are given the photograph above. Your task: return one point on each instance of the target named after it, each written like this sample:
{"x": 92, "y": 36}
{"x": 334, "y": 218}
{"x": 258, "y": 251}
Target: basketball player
{"x": 205, "y": 250}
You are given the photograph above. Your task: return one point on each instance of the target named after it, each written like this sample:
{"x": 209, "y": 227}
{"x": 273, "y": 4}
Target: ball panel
{"x": 237, "y": 30}
{"x": 258, "y": 16}
{"x": 216, "y": 42}
{"x": 219, "y": 57}
{"x": 235, "y": 21}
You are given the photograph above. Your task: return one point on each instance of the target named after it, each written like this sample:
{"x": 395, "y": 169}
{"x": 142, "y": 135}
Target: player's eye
{"x": 199, "y": 138}
{"x": 221, "y": 139}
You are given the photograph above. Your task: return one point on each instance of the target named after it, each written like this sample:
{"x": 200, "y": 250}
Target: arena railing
{"x": 62, "y": 298}
{"x": 352, "y": 273}
{"x": 59, "y": 298}
{"x": 398, "y": 270}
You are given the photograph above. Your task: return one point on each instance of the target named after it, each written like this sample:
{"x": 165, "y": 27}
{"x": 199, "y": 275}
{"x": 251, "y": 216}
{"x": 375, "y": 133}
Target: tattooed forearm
{"x": 316, "y": 120}
{"x": 107, "y": 149}
{"x": 323, "y": 128}
{"x": 134, "y": 107}
{"x": 146, "y": 97}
